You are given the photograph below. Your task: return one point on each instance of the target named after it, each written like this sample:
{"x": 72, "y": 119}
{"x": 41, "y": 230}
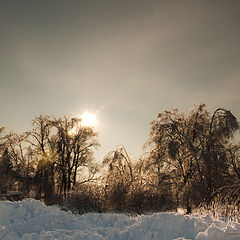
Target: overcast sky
{"x": 124, "y": 60}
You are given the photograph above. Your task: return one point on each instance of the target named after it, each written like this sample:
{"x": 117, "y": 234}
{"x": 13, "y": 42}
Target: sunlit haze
{"x": 88, "y": 120}
{"x": 127, "y": 60}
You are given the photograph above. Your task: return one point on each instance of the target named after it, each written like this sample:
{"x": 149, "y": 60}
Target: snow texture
{"x": 31, "y": 220}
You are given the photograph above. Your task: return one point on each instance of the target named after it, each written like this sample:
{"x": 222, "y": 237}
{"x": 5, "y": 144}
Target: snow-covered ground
{"x": 31, "y": 220}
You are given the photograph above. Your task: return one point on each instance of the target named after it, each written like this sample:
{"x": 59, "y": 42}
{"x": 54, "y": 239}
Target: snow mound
{"x": 31, "y": 220}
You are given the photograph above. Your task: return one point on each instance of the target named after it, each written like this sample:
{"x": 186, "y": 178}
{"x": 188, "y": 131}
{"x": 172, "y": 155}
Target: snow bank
{"x": 31, "y": 220}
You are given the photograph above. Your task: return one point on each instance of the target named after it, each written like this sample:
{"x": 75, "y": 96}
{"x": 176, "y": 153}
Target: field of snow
{"x": 31, "y": 220}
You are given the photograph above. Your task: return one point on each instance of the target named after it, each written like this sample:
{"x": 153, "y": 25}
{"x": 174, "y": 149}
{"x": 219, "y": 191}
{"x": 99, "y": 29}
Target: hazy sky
{"x": 124, "y": 60}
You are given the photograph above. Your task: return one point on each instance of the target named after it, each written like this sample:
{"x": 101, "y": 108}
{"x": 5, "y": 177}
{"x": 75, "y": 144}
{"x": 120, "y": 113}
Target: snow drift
{"x": 31, "y": 220}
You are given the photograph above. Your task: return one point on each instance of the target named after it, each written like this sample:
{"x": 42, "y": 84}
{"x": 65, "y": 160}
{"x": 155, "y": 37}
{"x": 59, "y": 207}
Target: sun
{"x": 88, "y": 120}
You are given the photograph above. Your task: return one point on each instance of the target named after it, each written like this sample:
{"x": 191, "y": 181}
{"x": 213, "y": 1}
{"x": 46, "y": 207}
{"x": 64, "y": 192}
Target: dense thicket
{"x": 189, "y": 160}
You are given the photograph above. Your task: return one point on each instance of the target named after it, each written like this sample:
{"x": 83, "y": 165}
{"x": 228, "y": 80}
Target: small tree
{"x": 118, "y": 179}
{"x": 5, "y": 171}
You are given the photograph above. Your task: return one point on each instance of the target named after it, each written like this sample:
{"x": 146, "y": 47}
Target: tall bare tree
{"x": 191, "y": 150}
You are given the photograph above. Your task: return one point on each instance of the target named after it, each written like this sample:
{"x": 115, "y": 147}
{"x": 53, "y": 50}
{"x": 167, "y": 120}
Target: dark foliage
{"x": 191, "y": 161}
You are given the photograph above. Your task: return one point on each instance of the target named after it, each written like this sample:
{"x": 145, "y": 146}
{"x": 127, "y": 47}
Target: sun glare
{"x": 88, "y": 120}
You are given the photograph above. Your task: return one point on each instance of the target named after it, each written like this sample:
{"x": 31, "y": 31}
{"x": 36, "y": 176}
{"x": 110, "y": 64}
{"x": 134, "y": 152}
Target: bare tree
{"x": 74, "y": 149}
{"x": 118, "y": 178}
{"x": 191, "y": 150}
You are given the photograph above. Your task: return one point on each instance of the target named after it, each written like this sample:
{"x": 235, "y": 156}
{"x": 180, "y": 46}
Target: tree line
{"x": 188, "y": 160}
